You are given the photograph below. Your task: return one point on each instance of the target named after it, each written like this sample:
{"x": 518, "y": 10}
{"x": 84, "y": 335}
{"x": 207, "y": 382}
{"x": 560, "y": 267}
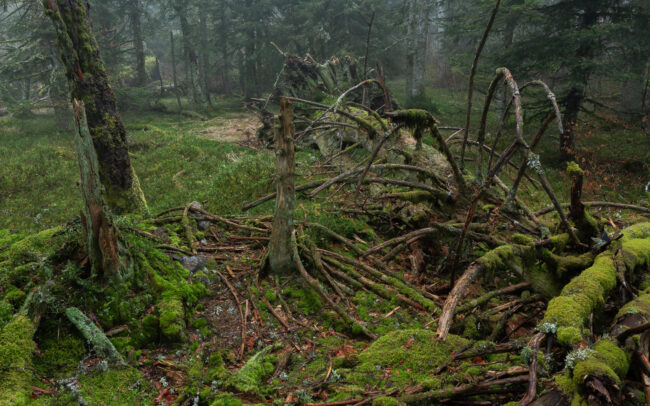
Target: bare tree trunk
{"x": 580, "y": 78}
{"x": 204, "y": 60}
{"x": 280, "y": 247}
{"x": 417, "y": 37}
{"x": 175, "y": 78}
{"x": 89, "y": 83}
{"x": 99, "y": 232}
{"x": 225, "y": 56}
{"x": 197, "y": 98}
{"x": 135, "y": 13}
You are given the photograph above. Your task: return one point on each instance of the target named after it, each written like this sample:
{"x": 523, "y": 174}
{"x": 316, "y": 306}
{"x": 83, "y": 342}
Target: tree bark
{"x": 175, "y": 77}
{"x": 100, "y": 234}
{"x": 280, "y": 248}
{"x": 417, "y": 37}
{"x": 89, "y": 83}
{"x": 135, "y": 13}
{"x": 579, "y": 78}
{"x": 197, "y": 99}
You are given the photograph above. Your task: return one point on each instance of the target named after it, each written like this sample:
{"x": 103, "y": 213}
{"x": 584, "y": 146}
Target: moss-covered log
{"x": 89, "y": 83}
{"x": 586, "y": 293}
{"x": 101, "y": 345}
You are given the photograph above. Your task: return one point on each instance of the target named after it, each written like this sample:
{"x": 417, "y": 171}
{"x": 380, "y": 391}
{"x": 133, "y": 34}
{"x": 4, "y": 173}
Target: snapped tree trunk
{"x": 280, "y": 248}
{"x": 89, "y": 83}
{"x": 100, "y": 235}
{"x": 138, "y": 43}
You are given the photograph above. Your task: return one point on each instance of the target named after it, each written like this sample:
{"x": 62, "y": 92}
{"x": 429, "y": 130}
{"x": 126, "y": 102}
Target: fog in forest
{"x": 324, "y": 202}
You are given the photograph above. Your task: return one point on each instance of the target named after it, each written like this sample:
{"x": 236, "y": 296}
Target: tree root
{"x": 354, "y": 326}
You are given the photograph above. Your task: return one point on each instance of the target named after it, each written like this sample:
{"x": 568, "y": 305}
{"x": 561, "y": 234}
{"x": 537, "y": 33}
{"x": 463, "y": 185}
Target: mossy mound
{"x": 607, "y": 361}
{"x": 16, "y": 347}
{"x": 404, "y": 358}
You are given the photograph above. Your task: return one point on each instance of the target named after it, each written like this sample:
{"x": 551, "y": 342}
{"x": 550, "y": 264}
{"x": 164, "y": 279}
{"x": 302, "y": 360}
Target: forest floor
{"x": 243, "y": 337}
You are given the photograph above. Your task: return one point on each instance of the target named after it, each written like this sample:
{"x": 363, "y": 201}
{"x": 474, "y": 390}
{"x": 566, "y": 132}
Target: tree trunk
{"x": 417, "y": 37}
{"x": 197, "y": 99}
{"x": 89, "y": 83}
{"x": 280, "y": 249}
{"x": 138, "y": 43}
{"x": 223, "y": 40}
{"x": 99, "y": 232}
{"x": 175, "y": 78}
{"x": 579, "y": 78}
{"x": 204, "y": 60}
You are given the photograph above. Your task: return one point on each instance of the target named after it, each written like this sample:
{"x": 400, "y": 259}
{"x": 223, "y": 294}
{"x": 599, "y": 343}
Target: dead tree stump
{"x": 280, "y": 249}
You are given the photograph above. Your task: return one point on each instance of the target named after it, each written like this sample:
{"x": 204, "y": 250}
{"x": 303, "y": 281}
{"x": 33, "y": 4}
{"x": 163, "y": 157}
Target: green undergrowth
{"x": 150, "y": 303}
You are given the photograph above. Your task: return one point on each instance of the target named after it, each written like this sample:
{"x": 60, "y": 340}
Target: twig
{"x": 534, "y": 343}
{"x": 599, "y": 204}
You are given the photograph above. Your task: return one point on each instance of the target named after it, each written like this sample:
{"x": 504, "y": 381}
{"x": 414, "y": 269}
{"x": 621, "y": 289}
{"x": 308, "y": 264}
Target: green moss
{"x": 227, "y": 399}
{"x": 522, "y": 239}
{"x": 565, "y": 384}
{"x": 582, "y": 295}
{"x": 560, "y": 241}
{"x": 172, "y": 322}
{"x": 569, "y": 335}
{"x": 636, "y": 231}
{"x": 34, "y": 247}
{"x": 564, "y": 311}
{"x": 636, "y": 252}
{"x": 605, "y": 361}
{"x": 116, "y": 387}
{"x": 150, "y": 328}
{"x": 497, "y": 258}
{"x": 593, "y": 367}
{"x": 16, "y": 348}
{"x": 568, "y": 265}
{"x": 15, "y": 296}
{"x": 612, "y": 355}
{"x": 6, "y": 312}
{"x": 251, "y": 376}
{"x": 305, "y": 298}
{"x": 572, "y": 169}
{"x": 58, "y": 354}
{"x": 385, "y": 401}
{"x": 411, "y": 355}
